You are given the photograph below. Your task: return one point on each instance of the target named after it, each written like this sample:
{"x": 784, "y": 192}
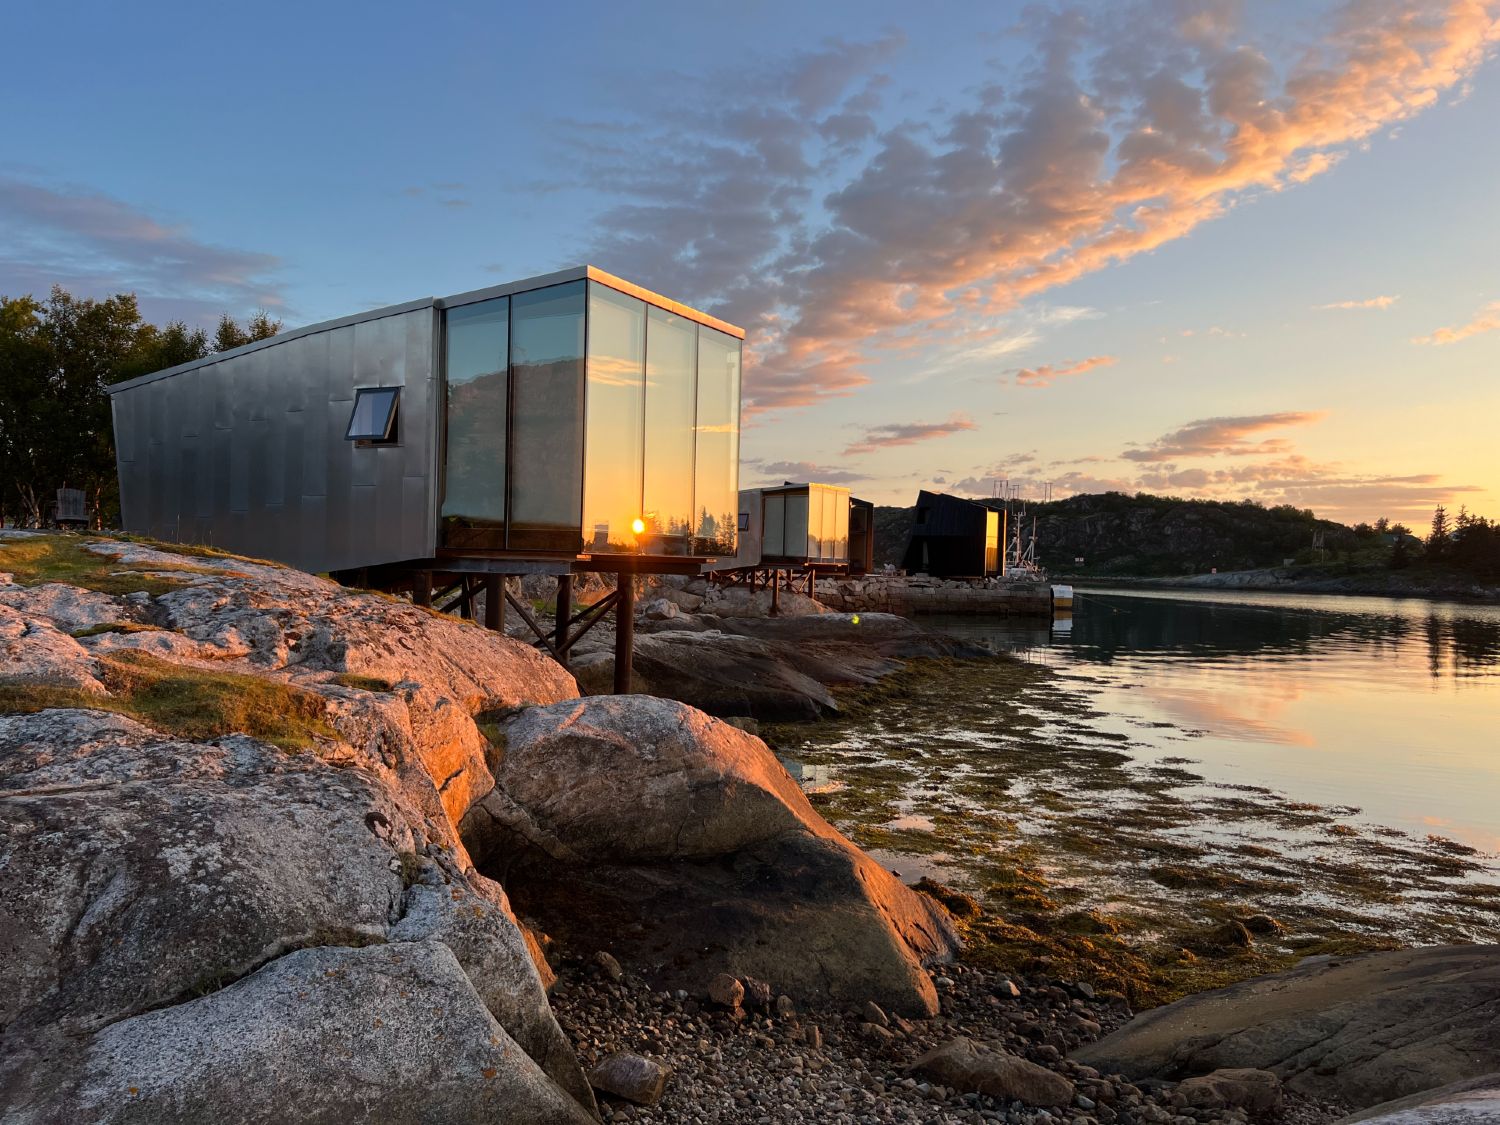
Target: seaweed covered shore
{"x": 1066, "y": 852}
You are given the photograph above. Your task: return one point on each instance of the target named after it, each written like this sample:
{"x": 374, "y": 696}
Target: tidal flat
{"x": 1065, "y": 847}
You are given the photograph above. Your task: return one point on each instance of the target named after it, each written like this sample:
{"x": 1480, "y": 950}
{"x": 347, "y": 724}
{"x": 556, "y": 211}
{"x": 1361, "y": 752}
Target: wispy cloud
{"x": 777, "y": 200}
{"x": 94, "y": 244}
{"x": 1367, "y": 303}
{"x": 1486, "y": 320}
{"x": 777, "y": 472}
{"x": 1212, "y": 437}
{"x": 907, "y": 433}
{"x": 450, "y": 194}
{"x": 1044, "y": 374}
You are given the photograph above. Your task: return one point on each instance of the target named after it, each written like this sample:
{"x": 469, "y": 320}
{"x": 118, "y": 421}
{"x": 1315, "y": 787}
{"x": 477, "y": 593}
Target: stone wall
{"x": 909, "y": 595}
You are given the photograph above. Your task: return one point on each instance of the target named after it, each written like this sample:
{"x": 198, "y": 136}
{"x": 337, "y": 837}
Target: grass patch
{"x": 191, "y": 703}
{"x": 114, "y": 627}
{"x": 39, "y": 559}
{"x": 199, "y": 551}
{"x": 362, "y": 683}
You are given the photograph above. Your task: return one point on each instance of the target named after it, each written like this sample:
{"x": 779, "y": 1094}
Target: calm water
{"x": 1392, "y": 706}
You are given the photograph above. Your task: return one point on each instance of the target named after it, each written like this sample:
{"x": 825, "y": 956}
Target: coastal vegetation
{"x": 1059, "y": 850}
{"x": 58, "y": 356}
{"x": 1115, "y": 535}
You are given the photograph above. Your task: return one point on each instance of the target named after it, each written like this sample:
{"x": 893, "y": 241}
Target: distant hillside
{"x": 1142, "y": 535}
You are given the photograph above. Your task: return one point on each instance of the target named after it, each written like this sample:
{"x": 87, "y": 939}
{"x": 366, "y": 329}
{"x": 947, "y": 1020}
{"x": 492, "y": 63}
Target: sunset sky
{"x": 1216, "y": 249}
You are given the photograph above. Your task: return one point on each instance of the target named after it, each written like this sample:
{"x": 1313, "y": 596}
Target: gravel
{"x": 780, "y": 1064}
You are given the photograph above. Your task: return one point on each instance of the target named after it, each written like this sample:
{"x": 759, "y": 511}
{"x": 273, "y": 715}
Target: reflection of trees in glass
{"x": 716, "y": 534}
{"x": 547, "y": 432}
{"x": 475, "y": 488}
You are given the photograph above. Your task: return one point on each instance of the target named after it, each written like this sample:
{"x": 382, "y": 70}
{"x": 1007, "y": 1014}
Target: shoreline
{"x": 1287, "y": 580}
{"x": 1063, "y": 852}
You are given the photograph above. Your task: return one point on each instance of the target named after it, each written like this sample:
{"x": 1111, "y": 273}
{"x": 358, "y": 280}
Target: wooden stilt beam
{"x": 543, "y": 636}
{"x": 494, "y": 602}
{"x": 624, "y": 632}
{"x": 775, "y": 593}
{"x": 421, "y": 587}
{"x": 564, "y": 614}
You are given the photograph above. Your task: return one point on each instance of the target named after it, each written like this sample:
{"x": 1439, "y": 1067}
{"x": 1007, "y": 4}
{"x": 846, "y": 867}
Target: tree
{"x": 230, "y": 335}
{"x": 1437, "y": 539}
{"x": 56, "y": 360}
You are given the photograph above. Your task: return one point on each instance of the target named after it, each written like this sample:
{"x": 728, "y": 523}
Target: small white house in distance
{"x": 803, "y": 525}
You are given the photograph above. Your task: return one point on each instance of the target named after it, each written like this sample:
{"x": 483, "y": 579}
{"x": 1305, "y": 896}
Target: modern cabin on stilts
{"x": 560, "y": 425}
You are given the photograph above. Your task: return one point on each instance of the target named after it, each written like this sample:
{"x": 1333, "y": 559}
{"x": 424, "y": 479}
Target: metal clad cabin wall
{"x": 122, "y": 410}
{"x": 748, "y": 549}
{"x": 273, "y": 474}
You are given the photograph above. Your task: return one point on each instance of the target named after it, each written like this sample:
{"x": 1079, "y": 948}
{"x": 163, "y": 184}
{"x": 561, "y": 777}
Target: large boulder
{"x": 273, "y": 618}
{"x": 975, "y": 1068}
{"x": 682, "y": 844}
{"x": 140, "y": 873}
{"x": 393, "y": 1034}
{"x": 1360, "y": 1029}
{"x": 771, "y": 669}
{"x": 1473, "y": 1101}
{"x": 728, "y": 675}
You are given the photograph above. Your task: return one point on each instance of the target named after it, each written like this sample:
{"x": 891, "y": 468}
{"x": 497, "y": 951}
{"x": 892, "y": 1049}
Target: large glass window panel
{"x": 546, "y": 464}
{"x": 718, "y": 431}
{"x": 671, "y": 377}
{"x": 477, "y": 345}
{"x": 795, "y": 540}
{"x": 841, "y": 527}
{"x": 613, "y": 436}
{"x": 773, "y": 543}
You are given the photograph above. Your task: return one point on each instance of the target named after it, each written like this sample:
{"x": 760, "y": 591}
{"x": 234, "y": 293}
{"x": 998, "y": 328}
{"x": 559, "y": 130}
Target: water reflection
{"x": 1389, "y": 705}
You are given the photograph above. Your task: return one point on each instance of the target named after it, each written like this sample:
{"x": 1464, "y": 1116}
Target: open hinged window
{"x": 374, "y": 417}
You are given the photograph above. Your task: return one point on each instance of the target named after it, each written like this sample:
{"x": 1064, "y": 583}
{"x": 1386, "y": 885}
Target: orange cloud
{"x": 1044, "y": 374}
{"x": 1132, "y": 129}
{"x": 1210, "y": 437}
{"x": 1486, "y": 320}
{"x": 1368, "y": 303}
{"x": 907, "y": 433}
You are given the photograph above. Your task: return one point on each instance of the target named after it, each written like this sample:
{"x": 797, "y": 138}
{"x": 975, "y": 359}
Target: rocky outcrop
{"x": 724, "y": 675}
{"x": 681, "y": 843}
{"x": 203, "y": 919}
{"x": 969, "y": 1066}
{"x": 141, "y": 874}
{"x": 772, "y": 669}
{"x": 1473, "y": 1101}
{"x": 391, "y": 1033}
{"x": 1361, "y": 1030}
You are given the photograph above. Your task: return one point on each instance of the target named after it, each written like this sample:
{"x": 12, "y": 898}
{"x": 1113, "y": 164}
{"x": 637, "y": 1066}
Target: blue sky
{"x": 1089, "y": 245}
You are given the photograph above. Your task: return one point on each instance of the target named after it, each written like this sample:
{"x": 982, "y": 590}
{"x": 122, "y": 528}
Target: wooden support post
{"x": 494, "y": 603}
{"x": 775, "y": 593}
{"x": 421, "y": 589}
{"x": 466, "y": 602}
{"x": 564, "y": 615}
{"x": 624, "y": 632}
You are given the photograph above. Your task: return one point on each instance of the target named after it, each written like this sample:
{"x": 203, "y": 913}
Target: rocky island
{"x": 275, "y": 850}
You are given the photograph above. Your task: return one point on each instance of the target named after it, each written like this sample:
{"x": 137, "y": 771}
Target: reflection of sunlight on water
{"x": 1399, "y": 698}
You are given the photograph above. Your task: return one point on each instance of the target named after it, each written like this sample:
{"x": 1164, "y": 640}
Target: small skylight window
{"x": 374, "y": 417}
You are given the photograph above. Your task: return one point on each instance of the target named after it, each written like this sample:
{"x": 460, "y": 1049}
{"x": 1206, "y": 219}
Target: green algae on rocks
{"x": 990, "y": 779}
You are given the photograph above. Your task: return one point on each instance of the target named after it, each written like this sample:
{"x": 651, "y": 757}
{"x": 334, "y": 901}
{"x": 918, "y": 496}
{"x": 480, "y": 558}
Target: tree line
{"x": 57, "y": 357}
{"x": 1466, "y": 543}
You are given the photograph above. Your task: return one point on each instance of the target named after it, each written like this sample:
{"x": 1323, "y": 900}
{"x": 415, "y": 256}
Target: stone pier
{"x": 909, "y": 595}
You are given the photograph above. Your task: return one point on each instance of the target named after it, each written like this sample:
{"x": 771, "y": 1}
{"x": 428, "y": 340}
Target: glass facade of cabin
{"x": 580, "y": 417}
{"x": 805, "y": 524}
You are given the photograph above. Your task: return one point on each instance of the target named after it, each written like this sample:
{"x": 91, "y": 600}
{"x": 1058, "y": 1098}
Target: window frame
{"x": 389, "y": 435}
